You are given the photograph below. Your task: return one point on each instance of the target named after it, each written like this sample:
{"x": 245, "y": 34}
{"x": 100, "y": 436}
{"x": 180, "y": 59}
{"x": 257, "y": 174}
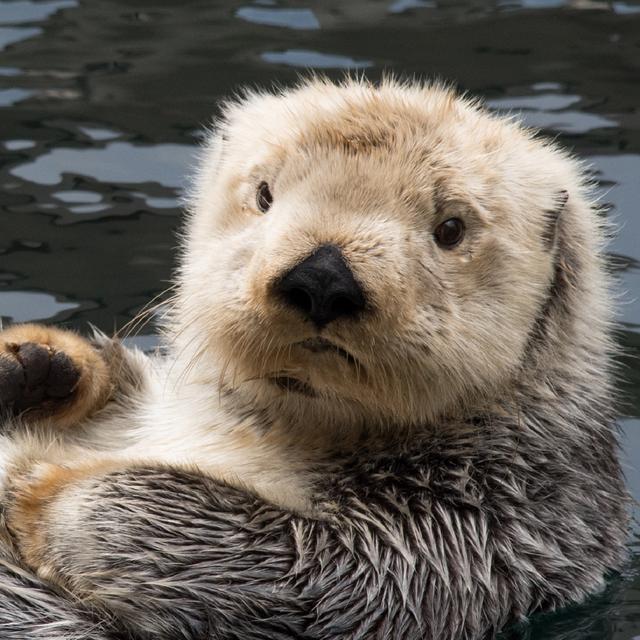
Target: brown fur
{"x": 35, "y": 489}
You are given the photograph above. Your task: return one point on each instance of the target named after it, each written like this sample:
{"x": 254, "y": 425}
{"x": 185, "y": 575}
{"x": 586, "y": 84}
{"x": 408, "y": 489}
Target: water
{"x": 102, "y": 106}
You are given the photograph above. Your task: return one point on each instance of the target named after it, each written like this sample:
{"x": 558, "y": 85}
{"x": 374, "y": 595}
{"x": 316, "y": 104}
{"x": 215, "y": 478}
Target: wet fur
{"x": 459, "y": 476}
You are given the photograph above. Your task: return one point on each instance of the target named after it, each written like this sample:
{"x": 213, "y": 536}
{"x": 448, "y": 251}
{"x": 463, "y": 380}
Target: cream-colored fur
{"x": 372, "y": 170}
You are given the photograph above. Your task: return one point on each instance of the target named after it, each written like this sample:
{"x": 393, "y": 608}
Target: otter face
{"x": 380, "y": 251}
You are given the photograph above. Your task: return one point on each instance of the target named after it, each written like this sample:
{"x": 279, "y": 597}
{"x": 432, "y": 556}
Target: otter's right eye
{"x": 264, "y": 199}
{"x": 450, "y": 233}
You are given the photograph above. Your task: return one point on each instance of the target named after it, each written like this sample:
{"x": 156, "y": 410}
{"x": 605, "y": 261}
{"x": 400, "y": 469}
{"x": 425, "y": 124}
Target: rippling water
{"x": 102, "y": 106}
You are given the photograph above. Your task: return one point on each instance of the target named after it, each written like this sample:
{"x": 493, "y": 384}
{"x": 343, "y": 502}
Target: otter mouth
{"x": 322, "y": 345}
{"x": 315, "y": 345}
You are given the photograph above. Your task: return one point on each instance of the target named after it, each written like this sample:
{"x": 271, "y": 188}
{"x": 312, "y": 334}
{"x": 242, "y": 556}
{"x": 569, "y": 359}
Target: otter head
{"x": 369, "y": 252}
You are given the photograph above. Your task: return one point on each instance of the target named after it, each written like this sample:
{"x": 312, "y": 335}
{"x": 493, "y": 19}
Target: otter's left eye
{"x": 264, "y": 199}
{"x": 450, "y": 233}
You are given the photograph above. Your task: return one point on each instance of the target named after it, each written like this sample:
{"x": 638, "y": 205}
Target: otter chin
{"x": 391, "y": 348}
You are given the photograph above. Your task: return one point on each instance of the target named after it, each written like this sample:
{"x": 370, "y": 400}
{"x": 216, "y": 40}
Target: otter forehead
{"x": 411, "y": 143}
{"x": 356, "y": 119}
{"x": 354, "y": 115}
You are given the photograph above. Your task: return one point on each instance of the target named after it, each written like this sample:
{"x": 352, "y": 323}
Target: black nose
{"x": 322, "y": 287}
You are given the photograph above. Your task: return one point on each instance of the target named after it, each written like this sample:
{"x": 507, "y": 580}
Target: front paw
{"x": 35, "y": 376}
{"x": 46, "y": 373}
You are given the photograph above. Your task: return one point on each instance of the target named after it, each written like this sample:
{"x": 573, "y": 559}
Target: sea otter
{"x": 385, "y": 409}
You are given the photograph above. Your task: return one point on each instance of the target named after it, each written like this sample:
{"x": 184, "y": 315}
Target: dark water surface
{"x": 102, "y": 104}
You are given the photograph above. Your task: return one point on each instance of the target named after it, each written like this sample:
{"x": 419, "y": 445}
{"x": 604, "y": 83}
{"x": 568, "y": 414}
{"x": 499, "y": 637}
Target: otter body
{"x": 386, "y": 410}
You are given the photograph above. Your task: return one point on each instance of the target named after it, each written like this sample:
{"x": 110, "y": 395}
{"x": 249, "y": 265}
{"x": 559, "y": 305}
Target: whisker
{"x": 145, "y": 312}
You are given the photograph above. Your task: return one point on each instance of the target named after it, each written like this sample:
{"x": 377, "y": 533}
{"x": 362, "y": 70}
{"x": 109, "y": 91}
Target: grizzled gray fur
{"x": 446, "y": 537}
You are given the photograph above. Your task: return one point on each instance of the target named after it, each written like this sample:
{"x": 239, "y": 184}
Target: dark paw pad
{"x": 11, "y": 379}
{"x": 33, "y": 376}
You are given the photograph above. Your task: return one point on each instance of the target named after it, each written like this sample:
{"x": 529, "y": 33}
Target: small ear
{"x": 551, "y": 218}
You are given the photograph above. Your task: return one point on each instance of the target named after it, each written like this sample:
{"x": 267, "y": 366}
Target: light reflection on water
{"x": 18, "y": 145}
{"x": 550, "y": 111}
{"x": 13, "y": 96}
{"x": 10, "y": 35}
{"x": 117, "y": 162}
{"x": 290, "y": 18}
{"x": 102, "y": 107}
{"x": 304, "y": 59}
{"x": 24, "y": 11}
{"x": 27, "y": 306}
{"x": 99, "y": 133}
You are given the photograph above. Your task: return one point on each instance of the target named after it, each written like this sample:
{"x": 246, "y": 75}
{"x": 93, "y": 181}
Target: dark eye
{"x": 449, "y": 233}
{"x": 264, "y": 199}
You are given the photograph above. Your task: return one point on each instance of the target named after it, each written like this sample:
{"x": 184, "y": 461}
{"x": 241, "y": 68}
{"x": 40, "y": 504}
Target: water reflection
{"x": 24, "y": 11}
{"x": 400, "y": 6}
{"x": 550, "y": 111}
{"x": 619, "y": 176}
{"x": 18, "y": 145}
{"x": 9, "y": 97}
{"x": 313, "y": 59}
{"x": 291, "y": 18}
{"x": 541, "y": 4}
{"x": 82, "y": 202}
{"x": 99, "y": 133}
{"x": 9, "y": 36}
{"x": 78, "y": 196}
{"x": 160, "y": 203}
{"x": 28, "y": 306}
{"x": 625, "y": 8}
{"x": 119, "y": 162}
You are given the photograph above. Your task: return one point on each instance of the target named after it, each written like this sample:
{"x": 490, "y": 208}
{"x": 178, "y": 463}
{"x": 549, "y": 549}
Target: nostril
{"x": 300, "y": 299}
